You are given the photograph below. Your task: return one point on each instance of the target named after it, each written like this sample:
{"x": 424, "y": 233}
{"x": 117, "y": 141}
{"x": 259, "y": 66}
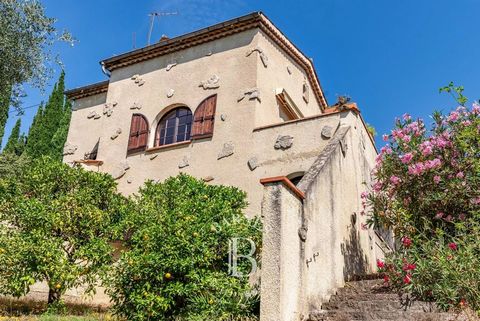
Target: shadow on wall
{"x": 356, "y": 261}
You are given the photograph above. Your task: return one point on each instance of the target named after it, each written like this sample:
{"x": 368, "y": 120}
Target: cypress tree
{"x": 60, "y": 137}
{"x": 34, "y": 134}
{"x": 12, "y": 142}
{"x": 21, "y": 144}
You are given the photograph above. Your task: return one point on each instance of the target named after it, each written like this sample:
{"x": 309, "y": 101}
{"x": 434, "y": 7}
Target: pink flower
{"x": 409, "y": 267}
{"x": 407, "y": 279}
{"x": 434, "y": 163}
{"x": 416, "y": 169}
{"x": 476, "y": 108}
{"x": 385, "y": 138}
{"x": 407, "y": 117}
{"x": 377, "y": 187}
{"x": 439, "y": 215}
{"x": 453, "y": 246}
{"x": 460, "y": 175}
{"x": 476, "y": 201}
{"x": 407, "y": 139}
{"x": 454, "y": 115}
{"x": 380, "y": 264}
{"x": 386, "y": 279}
{"x": 407, "y": 158}
{"x": 406, "y": 242}
{"x": 462, "y": 217}
{"x": 437, "y": 179}
{"x": 364, "y": 195}
{"x": 395, "y": 180}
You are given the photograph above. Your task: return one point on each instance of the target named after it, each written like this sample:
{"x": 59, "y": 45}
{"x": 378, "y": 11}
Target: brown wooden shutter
{"x": 138, "y": 133}
{"x": 204, "y": 118}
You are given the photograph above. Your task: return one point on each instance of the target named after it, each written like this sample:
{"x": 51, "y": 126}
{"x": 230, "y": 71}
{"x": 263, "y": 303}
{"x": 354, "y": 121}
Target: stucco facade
{"x": 271, "y": 120}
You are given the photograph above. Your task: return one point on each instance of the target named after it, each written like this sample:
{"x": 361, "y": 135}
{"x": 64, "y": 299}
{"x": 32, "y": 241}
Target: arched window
{"x": 174, "y": 127}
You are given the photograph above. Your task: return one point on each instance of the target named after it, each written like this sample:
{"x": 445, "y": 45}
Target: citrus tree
{"x": 176, "y": 265}
{"x": 56, "y": 224}
{"x": 427, "y": 191}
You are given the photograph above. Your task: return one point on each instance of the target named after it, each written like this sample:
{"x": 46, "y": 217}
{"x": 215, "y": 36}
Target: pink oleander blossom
{"x": 407, "y": 158}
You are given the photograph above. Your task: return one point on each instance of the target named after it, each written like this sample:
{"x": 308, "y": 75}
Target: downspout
{"x": 105, "y": 70}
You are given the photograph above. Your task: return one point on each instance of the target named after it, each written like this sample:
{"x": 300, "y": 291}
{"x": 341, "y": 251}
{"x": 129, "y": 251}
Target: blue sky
{"x": 389, "y": 56}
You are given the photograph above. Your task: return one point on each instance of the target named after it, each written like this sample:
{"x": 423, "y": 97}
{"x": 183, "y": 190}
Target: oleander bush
{"x": 175, "y": 266}
{"x": 427, "y": 191}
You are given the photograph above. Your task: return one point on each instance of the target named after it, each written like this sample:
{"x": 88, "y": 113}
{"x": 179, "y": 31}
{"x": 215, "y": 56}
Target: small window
{"x": 204, "y": 118}
{"x": 138, "y": 134}
{"x": 174, "y": 127}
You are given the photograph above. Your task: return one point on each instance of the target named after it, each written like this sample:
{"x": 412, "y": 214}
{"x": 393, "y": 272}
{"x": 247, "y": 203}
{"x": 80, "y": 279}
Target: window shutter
{"x": 204, "y": 118}
{"x": 138, "y": 133}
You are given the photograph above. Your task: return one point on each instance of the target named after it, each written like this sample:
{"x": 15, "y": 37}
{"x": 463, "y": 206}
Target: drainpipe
{"x": 105, "y": 71}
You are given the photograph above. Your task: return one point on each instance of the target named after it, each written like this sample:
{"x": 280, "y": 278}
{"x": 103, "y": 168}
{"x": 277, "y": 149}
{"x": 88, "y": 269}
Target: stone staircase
{"x": 369, "y": 300}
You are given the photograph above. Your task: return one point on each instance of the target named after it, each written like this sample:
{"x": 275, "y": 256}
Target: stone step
{"x": 385, "y": 316}
{"x": 365, "y": 297}
{"x": 379, "y": 305}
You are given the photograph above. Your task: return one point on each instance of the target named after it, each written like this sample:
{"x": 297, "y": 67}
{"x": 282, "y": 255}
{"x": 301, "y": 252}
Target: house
{"x": 239, "y": 104}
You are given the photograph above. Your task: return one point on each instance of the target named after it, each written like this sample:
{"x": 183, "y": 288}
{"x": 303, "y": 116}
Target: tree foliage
{"x": 176, "y": 263}
{"x": 57, "y": 222}
{"x": 427, "y": 191}
{"x": 27, "y": 37}
{"x": 15, "y": 142}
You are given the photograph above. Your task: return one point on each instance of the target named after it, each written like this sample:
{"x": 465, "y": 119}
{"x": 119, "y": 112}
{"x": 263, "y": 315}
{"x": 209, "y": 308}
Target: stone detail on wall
{"x": 252, "y": 163}
{"x": 69, "y": 149}
{"x": 120, "y": 170}
{"x": 263, "y": 56}
{"x": 184, "y": 162}
{"x": 283, "y": 142}
{"x": 306, "y": 91}
{"x": 209, "y": 54}
{"x": 136, "y": 106}
{"x": 289, "y": 70}
{"x": 108, "y": 108}
{"x": 223, "y": 117}
{"x": 153, "y": 157}
{"x": 116, "y": 134}
{"x": 212, "y": 83}
{"x": 228, "y": 150}
{"x": 302, "y": 233}
{"x": 138, "y": 80}
{"x": 129, "y": 181}
{"x": 327, "y": 132}
{"x": 208, "y": 179}
{"x": 170, "y": 93}
{"x": 170, "y": 66}
{"x": 93, "y": 114}
{"x": 251, "y": 94}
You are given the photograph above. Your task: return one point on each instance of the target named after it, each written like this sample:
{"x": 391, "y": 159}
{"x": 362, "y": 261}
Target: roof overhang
{"x": 85, "y": 91}
{"x": 224, "y": 29}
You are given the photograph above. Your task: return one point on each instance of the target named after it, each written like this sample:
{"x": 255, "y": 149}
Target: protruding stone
{"x": 153, "y": 157}
{"x": 170, "y": 66}
{"x": 116, "y": 134}
{"x": 344, "y": 146}
{"x": 283, "y": 142}
{"x": 138, "y": 80}
{"x": 302, "y": 233}
{"x": 108, "y": 109}
{"x": 184, "y": 162}
{"x": 228, "y": 150}
{"x": 120, "y": 170}
{"x": 252, "y": 163}
{"x": 208, "y": 179}
{"x": 263, "y": 56}
{"x": 69, "y": 149}
{"x": 212, "y": 83}
{"x": 129, "y": 181}
{"x": 170, "y": 93}
{"x": 223, "y": 117}
{"x": 209, "y": 54}
{"x": 93, "y": 114}
{"x": 327, "y": 132}
{"x": 306, "y": 91}
{"x": 289, "y": 70}
{"x": 136, "y": 106}
{"x": 251, "y": 94}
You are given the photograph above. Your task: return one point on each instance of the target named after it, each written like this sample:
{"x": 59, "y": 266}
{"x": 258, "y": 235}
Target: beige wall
{"x": 228, "y": 59}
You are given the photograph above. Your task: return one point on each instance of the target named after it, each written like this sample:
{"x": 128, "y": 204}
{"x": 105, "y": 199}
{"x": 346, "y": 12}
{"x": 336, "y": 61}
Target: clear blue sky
{"x": 389, "y": 56}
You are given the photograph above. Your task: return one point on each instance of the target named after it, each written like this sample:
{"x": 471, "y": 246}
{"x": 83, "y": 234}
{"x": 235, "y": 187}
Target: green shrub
{"x": 176, "y": 266}
{"x": 56, "y": 224}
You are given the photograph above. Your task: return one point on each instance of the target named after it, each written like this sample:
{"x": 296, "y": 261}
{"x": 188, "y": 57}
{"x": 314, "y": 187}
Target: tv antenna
{"x": 154, "y": 15}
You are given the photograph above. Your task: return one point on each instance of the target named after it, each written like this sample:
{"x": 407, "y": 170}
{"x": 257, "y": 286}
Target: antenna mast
{"x": 152, "y": 16}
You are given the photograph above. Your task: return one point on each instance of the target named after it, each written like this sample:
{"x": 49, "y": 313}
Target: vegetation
{"x": 27, "y": 37}
{"x": 49, "y": 129}
{"x": 177, "y": 263}
{"x": 56, "y": 226}
{"x": 427, "y": 191}
{"x": 16, "y": 141}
